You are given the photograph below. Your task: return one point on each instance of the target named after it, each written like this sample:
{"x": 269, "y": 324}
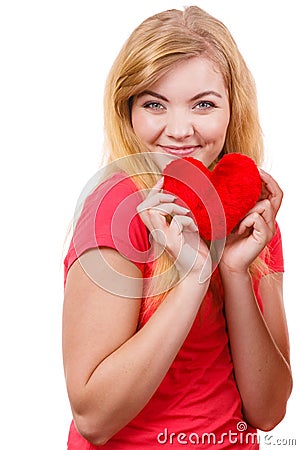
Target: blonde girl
{"x": 159, "y": 349}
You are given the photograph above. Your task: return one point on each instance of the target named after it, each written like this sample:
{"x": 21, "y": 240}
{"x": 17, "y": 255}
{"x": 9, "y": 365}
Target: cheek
{"x": 215, "y": 130}
{"x": 146, "y": 126}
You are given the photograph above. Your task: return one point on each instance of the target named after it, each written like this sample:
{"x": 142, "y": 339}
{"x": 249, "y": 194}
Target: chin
{"x": 162, "y": 159}
{"x": 205, "y": 161}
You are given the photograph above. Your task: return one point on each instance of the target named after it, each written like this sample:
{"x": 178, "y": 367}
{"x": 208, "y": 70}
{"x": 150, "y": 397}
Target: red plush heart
{"x": 218, "y": 199}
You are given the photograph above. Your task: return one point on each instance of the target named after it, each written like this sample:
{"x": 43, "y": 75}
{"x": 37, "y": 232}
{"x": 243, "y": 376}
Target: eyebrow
{"x": 153, "y": 94}
{"x": 196, "y": 97}
{"x": 205, "y": 94}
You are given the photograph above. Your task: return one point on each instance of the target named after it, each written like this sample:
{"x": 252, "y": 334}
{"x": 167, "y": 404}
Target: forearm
{"x": 123, "y": 383}
{"x": 262, "y": 373}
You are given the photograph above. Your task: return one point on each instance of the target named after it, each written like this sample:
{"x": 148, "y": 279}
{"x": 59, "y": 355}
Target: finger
{"x": 264, "y": 208}
{"x": 253, "y": 220}
{"x": 182, "y": 223}
{"x": 155, "y": 200}
{"x": 157, "y": 187}
{"x": 273, "y": 191}
{"x": 171, "y": 236}
{"x": 171, "y": 209}
{"x": 270, "y": 183}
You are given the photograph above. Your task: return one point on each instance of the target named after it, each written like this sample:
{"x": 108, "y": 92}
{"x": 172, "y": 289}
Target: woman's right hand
{"x": 179, "y": 237}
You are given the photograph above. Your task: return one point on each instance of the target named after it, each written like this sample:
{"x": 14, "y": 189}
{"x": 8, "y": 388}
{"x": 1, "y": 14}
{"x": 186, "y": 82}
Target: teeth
{"x": 181, "y": 148}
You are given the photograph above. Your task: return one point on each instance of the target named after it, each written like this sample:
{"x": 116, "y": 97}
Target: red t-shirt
{"x": 197, "y": 405}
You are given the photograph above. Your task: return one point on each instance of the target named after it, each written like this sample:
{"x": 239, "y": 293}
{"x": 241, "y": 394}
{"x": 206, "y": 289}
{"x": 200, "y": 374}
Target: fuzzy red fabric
{"x": 218, "y": 199}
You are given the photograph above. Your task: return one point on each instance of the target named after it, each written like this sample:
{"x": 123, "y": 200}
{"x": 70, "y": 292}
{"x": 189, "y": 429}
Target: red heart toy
{"x": 218, "y": 199}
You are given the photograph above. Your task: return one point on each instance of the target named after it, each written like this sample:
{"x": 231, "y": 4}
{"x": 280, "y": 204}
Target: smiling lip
{"x": 180, "y": 151}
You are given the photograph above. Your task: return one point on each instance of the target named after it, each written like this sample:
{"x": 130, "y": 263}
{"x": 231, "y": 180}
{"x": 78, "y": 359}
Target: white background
{"x": 55, "y": 56}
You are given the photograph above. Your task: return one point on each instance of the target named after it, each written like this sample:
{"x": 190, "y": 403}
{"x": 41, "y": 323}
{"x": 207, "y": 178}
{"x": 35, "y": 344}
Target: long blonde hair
{"x": 151, "y": 50}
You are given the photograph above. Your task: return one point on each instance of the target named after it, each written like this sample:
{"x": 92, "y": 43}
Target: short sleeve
{"x": 109, "y": 218}
{"x": 274, "y": 254}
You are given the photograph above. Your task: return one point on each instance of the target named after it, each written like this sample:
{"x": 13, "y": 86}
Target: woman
{"x": 159, "y": 349}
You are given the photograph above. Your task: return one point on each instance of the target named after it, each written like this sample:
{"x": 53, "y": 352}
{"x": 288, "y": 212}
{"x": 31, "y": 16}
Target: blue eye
{"x": 205, "y": 105}
{"x": 155, "y": 106}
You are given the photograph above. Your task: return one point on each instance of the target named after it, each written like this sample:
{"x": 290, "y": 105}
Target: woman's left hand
{"x": 255, "y": 231}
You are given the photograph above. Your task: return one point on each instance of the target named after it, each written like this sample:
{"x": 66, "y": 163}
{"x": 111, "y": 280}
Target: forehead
{"x": 198, "y": 73}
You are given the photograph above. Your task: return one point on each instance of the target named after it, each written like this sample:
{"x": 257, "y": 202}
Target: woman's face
{"x": 185, "y": 113}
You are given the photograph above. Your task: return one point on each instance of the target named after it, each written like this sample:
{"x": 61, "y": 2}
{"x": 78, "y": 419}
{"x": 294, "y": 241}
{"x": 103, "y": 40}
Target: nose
{"x": 179, "y": 125}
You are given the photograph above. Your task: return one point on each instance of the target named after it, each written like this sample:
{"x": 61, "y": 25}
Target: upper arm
{"x": 271, "y": 291}
{"x": 101, "y": 312}
{"x": 274, "y": 313}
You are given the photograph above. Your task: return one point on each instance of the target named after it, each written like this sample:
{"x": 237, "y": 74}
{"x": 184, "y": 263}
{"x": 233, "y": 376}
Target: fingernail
{"x": 262, "y": 171}
{"x": 159, "y": 183}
